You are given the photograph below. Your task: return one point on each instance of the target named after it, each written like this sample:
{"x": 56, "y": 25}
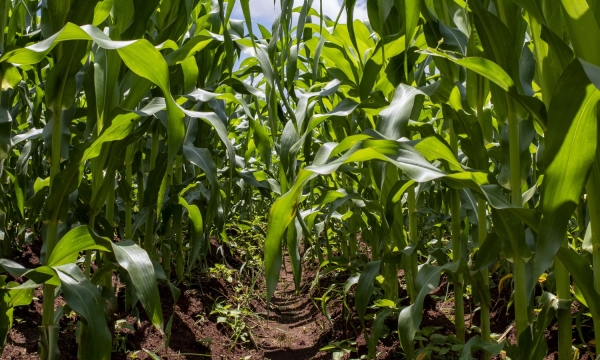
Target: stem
{"x": 48, "y": 314}
{"x": 179, "y": 241}
{"x": 140, "y": 179}
{"x": 149, "y": 230}
{"x": 593, "y": 196}
{"x": 410, "y": 284}
{"x": 52, "y": 234}
{"x": 110, "y": 203}
{"x": 412, "y": 230}
{"x": 482, "y": 225}
{"x": 563, "y": 292}
{"x": 6, "y": 250}
{"x": 353, "y": 240}
{"x": 484, "y": 307}
{"x": 88, "y": 253}
{"x": 515, "y": 155}
{"x": 149, "y": 233}
{"x": 154, "y": 147}
{"x": 374, "y": 254}
{"x": 177, "y": 217}
{"x": 521, "y": 314}
{"x": 129, "y": 180}
{"x": 272, "y": 111}
{"x": 49, "y": 341}
{"x": 459, "y": 310}
{"x": 520, "y": 273}
{"x": 3, "y": 18}
{"x": 107, "y": 278}
{"x": 166, "y": 249}
{"x": 165, "y": 245}
{"x": 56, "y": 145}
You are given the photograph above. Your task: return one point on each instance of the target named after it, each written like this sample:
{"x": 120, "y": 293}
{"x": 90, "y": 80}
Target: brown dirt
{"x": 440, "y": 314}
{"x": 293, "y": 327}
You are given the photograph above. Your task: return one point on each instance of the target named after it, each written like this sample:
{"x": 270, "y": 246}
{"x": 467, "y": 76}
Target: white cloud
{"x": 265, "y": 12}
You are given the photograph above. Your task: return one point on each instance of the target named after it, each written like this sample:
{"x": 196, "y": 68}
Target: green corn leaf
{"x": 472, "y": 143}
{"x": 19, "y": 297}
{"x": 138, "y": 265}
{"x": 571, "y": 142}
{"x": 476, "y": 343}
{"x": 20, "y": 197}
{"x": 498, "y": 76}
{"x": 579, "y": 268}
{"x": 13, "y": 268}
{"x": 122, "y": 125}
{"x": 583, "y": 28}
{"x": 364, "y": 288}
{"x": 406, "y": 158}
{"x": 496, "y": 36}
{"x": 102, "y": 11}
{"x": 214, "y": 120}
{"x": 410, "y": 317}
{"x": 191, "y": 47}
{"x": 488, "y": 252}
{"x": 412, "y": 10}
{"x": 378, "y": 324}
{"x": 140, "y": 56}
{"x": 9, "y": 76}
{"x": 294, "y": 235}
{"x": 394, "y": 119}
{"x": 9, "y": 299}
{"x": 533, "y": 8}
{"x": 203, "y": 159}
{"x": 38, "y": 276}
{"x": 510, "y": 228}
{"x": 85, "y": 299}
{"x": 246, "y": 10}
{"x": 350, "y": 5}
{"x": 533, "y": 345}
{"x": 552, "y": 56}
{"x": 76, "y": 240}
{"x": 198, "y": 242}
{"x": 261, "y": 138}
{"x": 106, "y": 70}
{"x": 5, "y": 138}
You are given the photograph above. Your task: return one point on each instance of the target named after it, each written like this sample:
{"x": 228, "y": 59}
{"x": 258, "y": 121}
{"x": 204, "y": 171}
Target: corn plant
{"x": 451, "y": 106}
{"x": 435, "y": 138}
{"x": 94, "y": 143}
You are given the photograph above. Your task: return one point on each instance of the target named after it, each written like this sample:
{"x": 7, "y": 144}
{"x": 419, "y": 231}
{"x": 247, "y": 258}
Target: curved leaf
{"x": 364, "y": 288}
{"x": 85, "y": 299}
{"x": 571, "y": 142}
{"x": 78, "y": 239}
{"x": 410, "y": 317}
{"x": 138, "y": 265}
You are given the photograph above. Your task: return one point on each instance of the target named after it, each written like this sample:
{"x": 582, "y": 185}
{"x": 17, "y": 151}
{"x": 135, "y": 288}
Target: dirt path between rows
{"x": 293, "y": 328}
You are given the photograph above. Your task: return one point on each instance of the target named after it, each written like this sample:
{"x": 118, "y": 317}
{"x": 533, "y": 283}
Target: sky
{"x": 264, "y": 12}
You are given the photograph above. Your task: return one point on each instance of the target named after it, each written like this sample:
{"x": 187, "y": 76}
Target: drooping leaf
{"x": 85, "y": 299}
{"x": 410, "y": 317}
{"x": 571, "y": 142}
{"x": 78, "y": 239}
{"x": 138, "y": 265}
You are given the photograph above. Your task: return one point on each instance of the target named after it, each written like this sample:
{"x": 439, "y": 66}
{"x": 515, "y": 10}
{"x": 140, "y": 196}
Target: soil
{"x": 292, "y": 327}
